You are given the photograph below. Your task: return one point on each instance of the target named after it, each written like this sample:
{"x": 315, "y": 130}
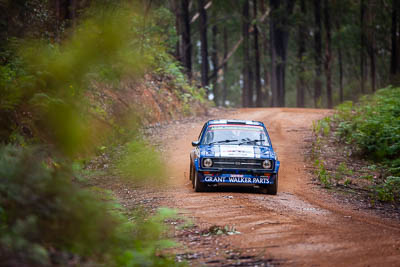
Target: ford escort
{"x": 234, "y": 152}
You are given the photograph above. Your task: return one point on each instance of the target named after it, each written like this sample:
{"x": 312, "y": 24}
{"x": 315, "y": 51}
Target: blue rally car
{"x": 234, "y": 152}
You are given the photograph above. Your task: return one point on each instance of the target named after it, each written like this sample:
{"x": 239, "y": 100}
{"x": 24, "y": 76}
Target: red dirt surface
{"x": 302, "y": 225}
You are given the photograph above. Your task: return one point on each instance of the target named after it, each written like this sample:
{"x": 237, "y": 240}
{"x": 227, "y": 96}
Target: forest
{"x": 289, "y": 53}
{"x": 80, "y": 80}
{"x": 257, "y": 53}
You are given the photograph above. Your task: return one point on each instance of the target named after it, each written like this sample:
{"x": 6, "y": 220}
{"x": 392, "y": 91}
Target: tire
{"x": 272, "y": 189}
{"x": 197, "y": 185}
{"x": 191, "y": 172}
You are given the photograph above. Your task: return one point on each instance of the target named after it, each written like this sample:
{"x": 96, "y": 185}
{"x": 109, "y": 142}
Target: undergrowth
{"x": 47, "y": 120}
{"x": 47, "y": 219}
{"x": 369, "y": 130}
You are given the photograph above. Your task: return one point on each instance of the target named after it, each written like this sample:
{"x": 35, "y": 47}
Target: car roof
{"x": 232, "y": 121}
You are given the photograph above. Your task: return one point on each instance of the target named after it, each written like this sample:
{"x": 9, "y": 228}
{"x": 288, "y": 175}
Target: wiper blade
{"x": 251, "y": 141}
{"x": 223, "y": 141}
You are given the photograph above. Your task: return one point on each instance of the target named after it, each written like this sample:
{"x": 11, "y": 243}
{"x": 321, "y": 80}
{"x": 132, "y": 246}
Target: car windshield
{"x": 235, "y": 134}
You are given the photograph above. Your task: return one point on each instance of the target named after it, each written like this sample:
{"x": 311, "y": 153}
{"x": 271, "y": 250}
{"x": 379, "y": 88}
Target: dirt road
{"x": 302, "y": 225}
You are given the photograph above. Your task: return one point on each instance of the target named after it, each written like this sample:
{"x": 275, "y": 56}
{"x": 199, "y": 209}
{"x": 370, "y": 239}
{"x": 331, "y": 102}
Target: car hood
{"x": 237, "y": 151}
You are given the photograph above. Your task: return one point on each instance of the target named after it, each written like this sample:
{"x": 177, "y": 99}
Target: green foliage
{"x": 322, "y": 126}
{"x": 322, "y": 173}
{"x": 342, "y": 171}
{"x": 371, "y": 129}
{"x": 167, "y": 65}
{"x": 43, "y": 215}
{"x": 45, "y": 218}
{"x": 141, "y": 163}
{"x": 8, "y": 97}
{"x": 347, "y": 182}
{"x": 50, "y": 80}
{"x": 373, "y": 126}
{"x": 388, "y": 191}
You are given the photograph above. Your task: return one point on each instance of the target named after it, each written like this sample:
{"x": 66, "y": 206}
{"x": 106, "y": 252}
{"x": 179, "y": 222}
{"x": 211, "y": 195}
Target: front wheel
{"x": 198, "y": 186}
{"x": 272, "y": 189}
{"x": 191, "y": 172}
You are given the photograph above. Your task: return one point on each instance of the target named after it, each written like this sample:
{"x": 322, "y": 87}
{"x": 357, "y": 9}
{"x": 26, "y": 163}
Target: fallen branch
{"x": 236, "y": 46}
{"x": 196, "y": 16}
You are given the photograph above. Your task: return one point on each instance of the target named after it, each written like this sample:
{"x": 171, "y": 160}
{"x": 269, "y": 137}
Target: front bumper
{"x": 233, "y": 178}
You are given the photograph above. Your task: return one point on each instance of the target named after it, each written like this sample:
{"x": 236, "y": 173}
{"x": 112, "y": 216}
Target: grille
{"x": 237, "y": 163}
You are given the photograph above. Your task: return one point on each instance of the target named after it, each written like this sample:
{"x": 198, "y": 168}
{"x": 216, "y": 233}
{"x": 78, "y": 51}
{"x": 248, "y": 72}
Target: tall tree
{"x": 362, "y": 48}
{"x": 265, "y": 52}
{"x": 317, "y": 53}
{"x": 185, "y": 44}
{"x": 214, "y": 59}
{"x": 203, "y": 43}
{"x": 340, "y": 63}
{"x": 246, "y": 55}
{"x": 71, "y": 7}
{"x": 57, "y": 13}
{"x": 300, "y": 55}
{"x": 257, "y": 58}
{"x": 279, "y": 31}
{"x": 328, "y": 53}
{"x": 177, "y": 11}
{"x": 394, "y": 57}
{"x": 371, "y": 42}
{"x": 340, "y": 59}
{"x": 225, "y": 67}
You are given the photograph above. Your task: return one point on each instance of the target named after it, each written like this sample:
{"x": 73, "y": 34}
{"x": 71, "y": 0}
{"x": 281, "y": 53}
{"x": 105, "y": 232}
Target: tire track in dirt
{"x": 299, "y": 226}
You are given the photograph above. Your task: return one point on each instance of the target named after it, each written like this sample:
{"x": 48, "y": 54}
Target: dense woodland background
{"x": 289, "y": 53}
{"x": 79, "y": 78}
{"x": 256, "y": 52}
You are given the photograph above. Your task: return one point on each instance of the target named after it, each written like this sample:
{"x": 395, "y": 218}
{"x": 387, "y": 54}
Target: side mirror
{"x": 195, "y": 143}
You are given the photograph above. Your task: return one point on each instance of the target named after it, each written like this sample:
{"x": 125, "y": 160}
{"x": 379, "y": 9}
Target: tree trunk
{"x": 340, "y": 73}
{"x": 362, "y": 54}
{"x": 178, "y": 13}
{"x": 328, "y": 53}
{"x": 279, "y": 40}
{"x": 186, "y": 44}
{"x": 203, "y": 45}
{"x": 251, "y": 83}
{"x": 57, "y": 11}
{"x": 71, "y": 12}
{"x": 340, "y": 62}
{"x": 394, "y": 60}
{"x": 214, "y": 58}
{"x": 274, "y": 82}
{"x": 371, "y": 42}
{"x": 257, "y": 58}
{"x": 246, "y": 55}
{"x": 318, "y": 54}
{"x": 302, "y": 48}
{"x": 394, "y": 57}
{"x": 264, "y": 26}
{"x": 373, "y": 68}
{"x": 225, "y": 68}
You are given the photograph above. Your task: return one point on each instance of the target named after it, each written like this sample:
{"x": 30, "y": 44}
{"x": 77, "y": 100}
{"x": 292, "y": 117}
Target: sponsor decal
{"x": 236, "y": 127}
{"x": 248, "y": 180}
{"x": 237, "y": 179}
{"x": 211, "y": 179}
{"x": 237, "y": 151}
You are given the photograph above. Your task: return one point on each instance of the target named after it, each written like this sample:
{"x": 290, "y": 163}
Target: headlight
{"x": 267, "y": 164}
{"x": 207, "y": 163}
